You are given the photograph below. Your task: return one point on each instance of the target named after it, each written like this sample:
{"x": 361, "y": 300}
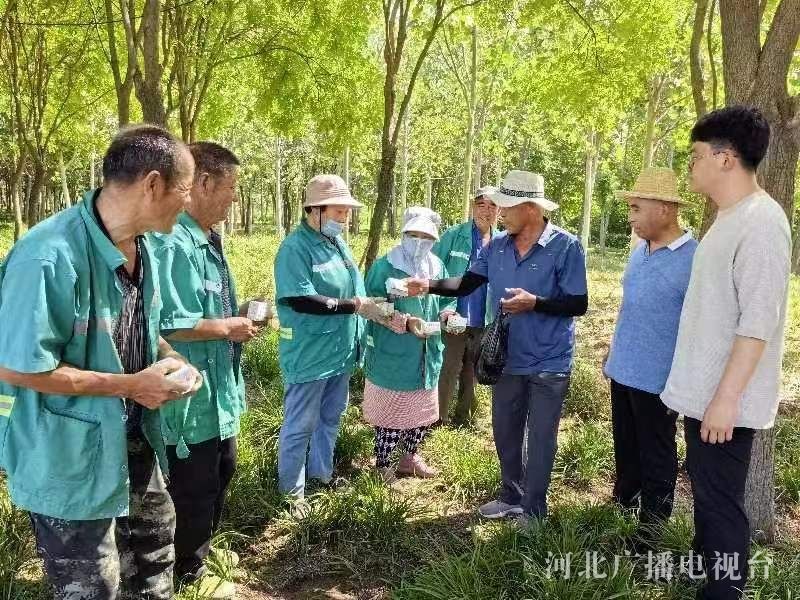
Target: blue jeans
{"x": 527, "y": 404}
{"x": 312, "y": 412}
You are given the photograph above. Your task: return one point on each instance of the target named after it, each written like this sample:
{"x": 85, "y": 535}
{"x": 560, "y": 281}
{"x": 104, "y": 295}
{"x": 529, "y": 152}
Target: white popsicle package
{"x": 456, "y": 324}
{"x": 257, "y": 310}
{"x": 184, "y": 375}
{"x": 396, "y": 287}
{"x": 386, "y": 309}
{"x": 432, "y": 328}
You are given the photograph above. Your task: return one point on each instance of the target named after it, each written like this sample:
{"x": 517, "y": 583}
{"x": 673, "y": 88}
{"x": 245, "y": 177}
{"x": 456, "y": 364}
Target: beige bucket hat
{"x": 655, "y": 183}
{"x": 327, "y": 190}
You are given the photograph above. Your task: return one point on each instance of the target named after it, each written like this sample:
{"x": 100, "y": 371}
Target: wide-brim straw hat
{"x": 519, "y": 187}
{"x": 328, "y": 190}
{"x": 422, "y": 220}
{"x": 655, "y": 183}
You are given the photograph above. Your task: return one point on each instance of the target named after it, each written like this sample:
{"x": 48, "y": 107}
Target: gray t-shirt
{"x": 739, "y": 287}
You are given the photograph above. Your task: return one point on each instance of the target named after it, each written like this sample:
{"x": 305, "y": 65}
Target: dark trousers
{"x": 458, "y": 369}
{"x": 197, "y": 485}
{"x": 645, "y": 452}
{"x": 127, "y": 557}
{"x": 718, "y": 473}
{"x": 527, "y": 404}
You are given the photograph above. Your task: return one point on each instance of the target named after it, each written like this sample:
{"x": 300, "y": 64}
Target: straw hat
{"x": 326, "y": 190}
{"x": 655, "y": 183}
{"x": 423, "y": 220}
{"x": 519, "y": 187}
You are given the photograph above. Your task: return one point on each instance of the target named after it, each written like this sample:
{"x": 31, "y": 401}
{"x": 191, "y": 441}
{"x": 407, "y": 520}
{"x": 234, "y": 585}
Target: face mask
{"x": 332, "y": 228}
{"x": 416, "y": 248}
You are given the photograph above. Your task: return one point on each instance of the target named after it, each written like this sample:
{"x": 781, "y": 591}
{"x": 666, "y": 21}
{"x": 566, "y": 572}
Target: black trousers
{"x": 722, "y": 531}
{"x": 197, "y": 485}
{"x": 645, "y": 452}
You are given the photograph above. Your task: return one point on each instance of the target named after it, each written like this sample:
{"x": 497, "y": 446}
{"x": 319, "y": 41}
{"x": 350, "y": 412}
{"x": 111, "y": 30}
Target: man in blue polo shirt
{"x": 640, "y": 357}
{"x": 537, "y": 274}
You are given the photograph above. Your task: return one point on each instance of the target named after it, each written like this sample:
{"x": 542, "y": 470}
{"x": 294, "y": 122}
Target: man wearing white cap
{"x": 536, "y": 274}
{"x": 458, "y": 247}
{"x": 320, "y": 295}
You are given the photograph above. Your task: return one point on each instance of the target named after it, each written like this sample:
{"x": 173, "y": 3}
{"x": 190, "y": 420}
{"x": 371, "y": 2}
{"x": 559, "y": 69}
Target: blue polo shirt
{"x": 554, "y": 267}
{"x": 473, "y": 307}
{"x": 653, "y": 287}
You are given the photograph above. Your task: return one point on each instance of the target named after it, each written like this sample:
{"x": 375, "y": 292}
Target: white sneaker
{"x": 497, "y": 509}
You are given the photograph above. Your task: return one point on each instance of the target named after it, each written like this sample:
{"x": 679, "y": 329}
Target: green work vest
{"x": 67, "y": 456}
{"x": 313, "y": 347}
{"x": 191, "y": 289}
{"x": 403, "y": 362}
{"x": 454, "y": 248}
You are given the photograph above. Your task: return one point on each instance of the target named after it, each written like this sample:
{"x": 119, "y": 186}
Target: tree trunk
{"x": 695, "y": 63}
{"x": 148, "y": 84}
{"x": 428, "y": 190}
{"x": 498, "y": 169}
{"x": 92, "y": 161}
{"x": 64, "y": 187}
{"x": 404, "y": 167}
{"x": 590, "y": 165}
{"x": 472, "y": 105}
{"x": 796, "y": 253}
{"x": 278, "y": 190}
{"x": 604, "y": 219}
{"x": 35, "y": 193}
{"x": 384, "y": 200}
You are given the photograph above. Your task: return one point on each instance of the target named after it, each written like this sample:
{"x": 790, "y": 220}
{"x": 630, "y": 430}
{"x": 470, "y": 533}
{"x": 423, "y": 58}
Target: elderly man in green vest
{"x": 458, "y": 247}
{"x": 80, "y": 431}
{"x": 199, "y": 316}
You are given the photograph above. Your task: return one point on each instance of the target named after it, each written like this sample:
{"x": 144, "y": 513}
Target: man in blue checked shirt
{"x": 537, "y": 274}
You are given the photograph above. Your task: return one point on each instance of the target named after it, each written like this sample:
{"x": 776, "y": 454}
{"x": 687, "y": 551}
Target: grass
{"x": 422, "y": 539}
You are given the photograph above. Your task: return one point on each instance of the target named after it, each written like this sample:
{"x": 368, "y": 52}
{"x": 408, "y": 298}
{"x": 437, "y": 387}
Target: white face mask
{"x": 416, "y": 249}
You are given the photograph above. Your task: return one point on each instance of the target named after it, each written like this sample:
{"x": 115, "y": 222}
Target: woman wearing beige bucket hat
{"x": 641, "y": 352}
{"x": 320, "y": 296}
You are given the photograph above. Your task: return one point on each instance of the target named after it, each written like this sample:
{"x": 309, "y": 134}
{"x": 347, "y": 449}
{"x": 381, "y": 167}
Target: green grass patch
{"x": 588, "y": 396}
{"x": 467, "y": 465}
{"x": 586, "y": 455}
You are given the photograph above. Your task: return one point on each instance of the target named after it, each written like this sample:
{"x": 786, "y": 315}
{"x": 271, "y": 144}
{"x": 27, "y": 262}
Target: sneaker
{"x": 412, "y": 464}
{"x": 386, "y": 474}
{"x": 214, "y": 588}
{"x": 497, "y": 509}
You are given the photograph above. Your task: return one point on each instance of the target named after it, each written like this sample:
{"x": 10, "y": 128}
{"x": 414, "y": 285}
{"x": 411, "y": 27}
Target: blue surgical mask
{"x": 416, "y": 249}
{"x": 332, "y": 228}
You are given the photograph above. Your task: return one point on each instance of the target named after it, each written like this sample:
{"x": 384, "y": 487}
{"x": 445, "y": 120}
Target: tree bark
{"x": 695, "y": 63}
{"x": 590, "y": 166}
{"x": 278, "y": 190}
{"x": 148, "y": 81}
{"x": 64, "y": 184}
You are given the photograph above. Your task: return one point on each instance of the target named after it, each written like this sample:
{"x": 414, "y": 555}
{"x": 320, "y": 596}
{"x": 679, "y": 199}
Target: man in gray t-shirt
{"x": 726, "y": 370}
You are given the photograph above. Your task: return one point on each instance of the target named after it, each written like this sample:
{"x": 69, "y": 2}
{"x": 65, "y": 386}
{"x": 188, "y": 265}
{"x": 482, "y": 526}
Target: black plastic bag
{"x": 491, "y": 360}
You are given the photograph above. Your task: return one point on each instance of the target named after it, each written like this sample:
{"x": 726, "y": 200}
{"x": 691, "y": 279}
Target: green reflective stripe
{"x": 458, "y": 254}
{"x": 286, "y": 333}
{"x": 6, "y": 404}
{"x": 370, "y": 341}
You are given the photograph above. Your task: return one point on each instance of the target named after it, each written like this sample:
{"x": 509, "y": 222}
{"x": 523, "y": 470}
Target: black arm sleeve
{"x": 457, "y": 286}
{"x": 318, "y": 305}
{"x": 566, "y": 306}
